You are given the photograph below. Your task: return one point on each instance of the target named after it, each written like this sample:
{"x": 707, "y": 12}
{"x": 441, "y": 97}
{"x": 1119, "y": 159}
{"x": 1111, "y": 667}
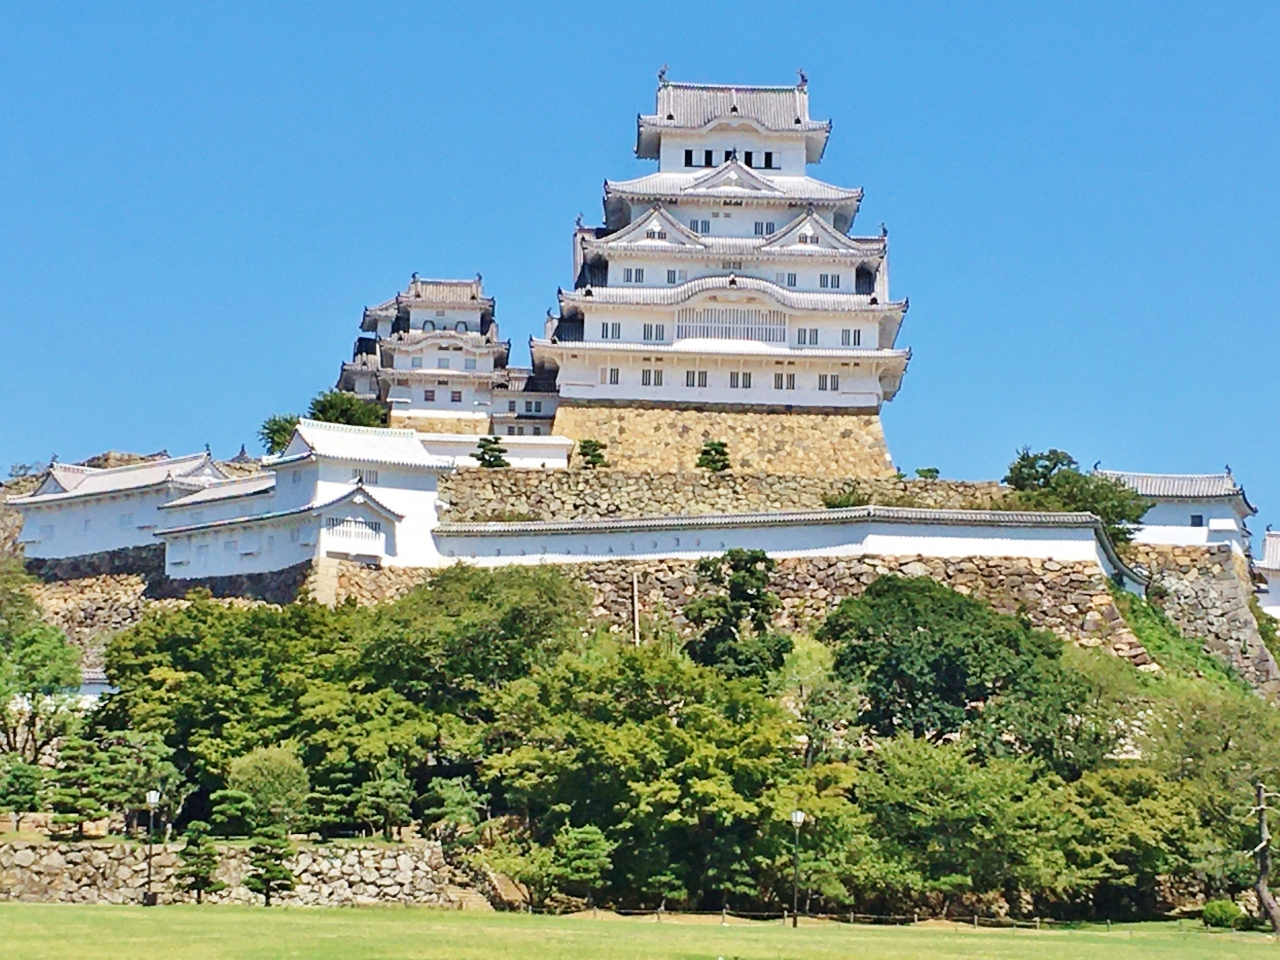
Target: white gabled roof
{"x": 68, "y": 481}
{"x": 747, "y": 186}
{"x": 226, "y": 490}
{"x": 340, "y": 441}
{"x": 358, "y": 494}
{"x": 671, "y": 296}
{"x": 1271, "y": 551}
{"x": 1181, "y": 486}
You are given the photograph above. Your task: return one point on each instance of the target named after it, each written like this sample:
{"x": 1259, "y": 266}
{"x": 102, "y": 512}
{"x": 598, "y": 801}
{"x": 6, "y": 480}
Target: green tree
{"x": 928, "y": 473}
{"x": 234, "y": 812}
{"x": 268, "y": 873}
{"x": 110, "y": 774}
{"x": 490, "y": 453}
{"x": 39, "y": 682}
{"x": 276, "y": 783}
{"x": 714, "y": 456}
{"x": 22, "y": 787}
{"x": 932, "y": 662}
{"x": 277, "y": 430}
{"x": 736, "y": 635}
{"x": 581, "y": 857}
{"x": 200, "y": 860}
{"x": 1052, "y": 481}
{"x": 454, "y": 807}
{"x": 384, "y": 802}
{"x": 592, "y": 453}
{"x": 338, "y": 406}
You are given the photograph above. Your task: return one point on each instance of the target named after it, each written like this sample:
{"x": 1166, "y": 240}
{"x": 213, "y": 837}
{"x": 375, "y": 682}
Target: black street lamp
{"x": 153, "y": 801}
{"x": 797, "y": 821}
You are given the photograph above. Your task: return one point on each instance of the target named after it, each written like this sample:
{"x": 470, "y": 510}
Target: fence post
{"x": 915, "y": 916}
{"x": 1108, "y": 924}
{"x": 975, "y": 921}
{"x": 1037, "y": 923}
{"x": 724, "y": 916}
{"x": 784, "y": 916}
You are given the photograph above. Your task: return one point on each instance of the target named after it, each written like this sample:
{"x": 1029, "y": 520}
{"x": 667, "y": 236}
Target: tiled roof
{"x": 77, "y": 481}
{"x": 369, "y": 444}
{"x": 1182, "y": 486}
{"x": 670, "y": 296}
{"x": 789, "y": 189}
{"x": 226, "y": 490}
{"x": 1271, "y": 551}
{"x": 694, "y": 105}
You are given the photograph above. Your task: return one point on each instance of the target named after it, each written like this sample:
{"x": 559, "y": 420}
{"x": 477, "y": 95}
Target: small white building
{"x": 79, "y": 511}
{"x": 1269, "y": 569}
{"x": 1191, "y": 509}
{"x": 363, "y": 493}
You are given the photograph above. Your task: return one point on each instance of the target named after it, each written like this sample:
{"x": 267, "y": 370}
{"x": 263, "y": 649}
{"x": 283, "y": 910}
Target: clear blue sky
{"x": 196, "y": 201}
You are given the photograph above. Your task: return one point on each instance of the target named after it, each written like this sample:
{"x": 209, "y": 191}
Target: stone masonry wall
{"x": 1071, "y": 599}
{"x": 464, "y": 426}
{"x": 480, "y": 495}
{"x": 330, "y": 875}
{"x": 665, "y": 438}
{"x": 1207, "y": 591}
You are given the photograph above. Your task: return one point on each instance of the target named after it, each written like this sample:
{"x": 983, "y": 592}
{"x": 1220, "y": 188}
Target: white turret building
{"x": 726, "y": 280}
{"x": 433, "y": 355}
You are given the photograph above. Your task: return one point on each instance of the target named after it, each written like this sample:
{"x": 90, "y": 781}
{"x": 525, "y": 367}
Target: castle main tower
{"x": 724, "y": 299}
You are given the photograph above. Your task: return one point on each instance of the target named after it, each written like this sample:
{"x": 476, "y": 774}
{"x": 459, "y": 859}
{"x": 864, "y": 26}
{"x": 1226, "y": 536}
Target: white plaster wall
{"x": 788, "y": 152}
{"x": 524, "y": 453}
{"x": 793, "y": 540}
{"x": 633, "y": 318}
{"x": 580, "y": 378}
{"x": 94, "y": 524}
{"x": 443, "y": 319}
{"x": 1270, "y": 598}
{"x": 251, "y": 548}
{"x": 1169, "y": 522}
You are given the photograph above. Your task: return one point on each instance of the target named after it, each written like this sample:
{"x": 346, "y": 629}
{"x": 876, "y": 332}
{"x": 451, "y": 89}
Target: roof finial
{"x": 479, "y": 277}
{"x": 578, "y": 221}
{"x": 207, "y": 451}
{"x": 662, "y": 74}
{"x": 1096, "y": 465}
{"x": 53, "y": 459}
{"x": 1228, "y": 469}
{"x": 804, "y": 78}
{"x": 884, "y": 231}
{"x": 413, "y": 277}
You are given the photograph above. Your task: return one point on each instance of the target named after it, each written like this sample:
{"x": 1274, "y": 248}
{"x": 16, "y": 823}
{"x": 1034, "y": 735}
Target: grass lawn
{"x": 254, "y": 933}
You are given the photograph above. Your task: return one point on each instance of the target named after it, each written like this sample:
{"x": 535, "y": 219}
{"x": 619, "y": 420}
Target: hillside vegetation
{"x": 948, "y": 758}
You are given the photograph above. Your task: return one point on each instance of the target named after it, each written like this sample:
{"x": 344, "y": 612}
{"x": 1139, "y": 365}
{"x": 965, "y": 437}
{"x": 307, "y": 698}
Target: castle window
{"x": 639, "y": 274}
{"x": 791, "y": 381}
{"x": 747, "y": 158}
{"x": 537, "y": 406}
{"x": 429, "y": 396}
{"x": 728, "y": 155}
{"x": 733, "y": 379}
{"x": 460, "y": 327}
{"x": 455, "y": 396}
{"x": 528, "y": 406}
{"x": 361, "y": 475}
{"x": 759, "y": 228}
{"x": 415, "y": 362}
{"x": 428, "y": 325}
{"x": 511, "y": 406}
{"x": 627, "y": 274}
{"x": 768, "y": 160}
{"x": 511, "y": 431}
{"x": 802, "y": 337}
{"x": 730, "y": 264}
{"x": 650, "y": 378}
{"x": 702, "y": 378}
{"x": 791, "y": 279}
{"x": 468, "y": 364}
{"x": 609, "y": 375}
{"x": 831, "y": 280}
{"x": 519, "y": 431}
{"x": 864, "y": 281}
{"x": 851, "y": 338}
{"x": 777, "y": 381}
{"x": 442, "y": 363}
{"x": 835, "y": 381}
{"x": 655, "y": 332}
{"x": 655, "y": 234}
{"x": 688, "y": 158}
{"x": 690, "y": 378}
{"x": 1197, "y": 519}
{"x": 611, "y": 331}
{"x": 671, "y": 276}
{"x": 708, "y": 158}
{"x": 537, "y": 431}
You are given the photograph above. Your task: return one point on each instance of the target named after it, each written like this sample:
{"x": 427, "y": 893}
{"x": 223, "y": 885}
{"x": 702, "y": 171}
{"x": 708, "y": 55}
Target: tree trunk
{"x": 1263, "y": 854}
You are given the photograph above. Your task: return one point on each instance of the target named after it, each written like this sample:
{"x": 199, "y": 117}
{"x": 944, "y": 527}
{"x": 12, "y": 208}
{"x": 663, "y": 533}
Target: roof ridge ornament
{"x": 662, "y": 74}
{"x": 804, "y": 79}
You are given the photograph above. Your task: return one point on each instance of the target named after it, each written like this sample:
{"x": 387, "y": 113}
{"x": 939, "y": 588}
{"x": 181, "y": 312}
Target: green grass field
{"x": 247, "y": 933}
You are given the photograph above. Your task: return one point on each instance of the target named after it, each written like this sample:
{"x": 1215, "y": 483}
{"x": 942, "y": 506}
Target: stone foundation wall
{"x": 480, "y": 495}
{"x": 146, "y": 562}
{"x": 1207, "y": 591}
{"x": 331, "y": 875}
{"x": 664, "y": 439}
{"x": 1071, "y": 599}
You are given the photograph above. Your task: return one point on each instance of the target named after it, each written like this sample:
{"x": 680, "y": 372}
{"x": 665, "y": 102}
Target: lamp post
{"x": 797, "y": 821}
{"x": 153, "y": 801}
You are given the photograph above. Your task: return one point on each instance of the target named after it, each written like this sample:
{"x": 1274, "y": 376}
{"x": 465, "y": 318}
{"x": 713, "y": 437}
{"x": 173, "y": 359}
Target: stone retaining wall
{"x": 331, "y": 875}
{"x": 480, "y": 495}
{"x": 1207, "y": 591}
{"x": 824, "y": 444}
{"x": 1071, "y": 599}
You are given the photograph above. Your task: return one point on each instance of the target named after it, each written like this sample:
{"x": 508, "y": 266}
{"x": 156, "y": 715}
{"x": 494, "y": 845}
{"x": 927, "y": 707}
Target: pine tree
{"x": 267, "y": 871}
{"x": 490, "y": 453}
{"x": 384, "y": 802}
{"x": 200, "y": 859}
{"x": 592, "y": 453}
{"x": 714, "y": 456}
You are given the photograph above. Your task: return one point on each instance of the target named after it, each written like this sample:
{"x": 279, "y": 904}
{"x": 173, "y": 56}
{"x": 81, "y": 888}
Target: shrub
{"x": 1052, "y": 481}
{"x": 928, "y": 473}
{"x": 592, "y": 453}
{"x": 333, "y": 406}
{"x": 275, "y": 781}
{"x": 850, "y": 495}
{"x": 714, "y": 456}
{"x": 1221, "y": 913}
{"x": 489, "y": 454}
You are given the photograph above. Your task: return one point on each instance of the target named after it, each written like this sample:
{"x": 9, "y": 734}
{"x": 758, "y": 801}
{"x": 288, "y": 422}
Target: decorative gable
{"x": 733, "y": 177}
{"x": 810, "y": 232}
{"x": 656, "y": 228}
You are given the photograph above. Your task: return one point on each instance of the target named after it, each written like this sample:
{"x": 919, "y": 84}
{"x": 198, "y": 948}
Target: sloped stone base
{"x": 669, "y": 439}
{"x": 476, "y": 426}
